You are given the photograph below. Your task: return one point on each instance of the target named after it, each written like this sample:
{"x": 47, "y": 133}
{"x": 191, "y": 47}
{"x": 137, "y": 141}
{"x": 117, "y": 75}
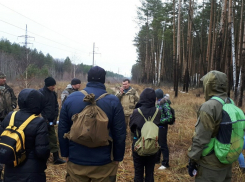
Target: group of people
{"x": 101, "y": 163}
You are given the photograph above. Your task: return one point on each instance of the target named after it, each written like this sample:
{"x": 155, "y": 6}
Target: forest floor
{"x": 179, "y": 140}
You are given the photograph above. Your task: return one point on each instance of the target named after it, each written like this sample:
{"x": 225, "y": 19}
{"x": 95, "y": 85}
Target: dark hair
{"x": 126, "y": 80}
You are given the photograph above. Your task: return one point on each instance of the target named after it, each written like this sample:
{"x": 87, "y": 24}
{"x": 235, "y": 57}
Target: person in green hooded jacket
{"x": 207, "y": 168}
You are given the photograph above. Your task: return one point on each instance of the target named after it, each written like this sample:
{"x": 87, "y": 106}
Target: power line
{"x": 42, "y": 36}
{"x": 38, "y": 23}
{"x": 42, "y": 43}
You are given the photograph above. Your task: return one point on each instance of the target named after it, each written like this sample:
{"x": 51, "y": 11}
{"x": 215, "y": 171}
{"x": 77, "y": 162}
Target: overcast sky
{"x": 70, "y": 27}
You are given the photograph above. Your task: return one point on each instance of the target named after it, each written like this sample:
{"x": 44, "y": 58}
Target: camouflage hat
{"x": 2, "y": 75}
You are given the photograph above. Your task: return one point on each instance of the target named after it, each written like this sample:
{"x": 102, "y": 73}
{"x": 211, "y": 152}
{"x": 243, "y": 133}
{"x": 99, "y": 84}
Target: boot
{"x": 57, "y": 159}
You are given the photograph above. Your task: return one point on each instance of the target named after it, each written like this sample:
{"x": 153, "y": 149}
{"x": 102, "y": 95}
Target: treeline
{"x": 16, "y": 61}
{"x": 180, "y": 41}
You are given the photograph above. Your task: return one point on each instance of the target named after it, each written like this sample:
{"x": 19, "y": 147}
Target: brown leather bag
{"x": 90, "y": 126}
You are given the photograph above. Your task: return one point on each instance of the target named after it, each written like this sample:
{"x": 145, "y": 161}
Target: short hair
{"x": 126, "y": 80}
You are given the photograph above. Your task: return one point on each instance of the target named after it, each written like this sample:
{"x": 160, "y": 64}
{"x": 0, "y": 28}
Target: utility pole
{"x": 26, "y": 51}
{"x": 94, "y": 53}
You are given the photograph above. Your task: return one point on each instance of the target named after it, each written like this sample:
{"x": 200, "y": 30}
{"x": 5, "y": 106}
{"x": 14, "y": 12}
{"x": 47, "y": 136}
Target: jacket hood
{"x": 147, "y": 98}
{"x": 31, "y": 101}
{"x": 69, "y": 86}
{"x": 164, "y": 100}
{"x": 214, "y": 83}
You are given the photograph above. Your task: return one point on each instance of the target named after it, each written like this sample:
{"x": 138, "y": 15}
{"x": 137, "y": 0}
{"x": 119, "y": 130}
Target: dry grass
{"x": 179, "y": 140}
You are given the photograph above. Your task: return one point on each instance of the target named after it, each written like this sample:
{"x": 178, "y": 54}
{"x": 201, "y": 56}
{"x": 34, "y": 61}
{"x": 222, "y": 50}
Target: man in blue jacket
{"x": 100, "y": 163}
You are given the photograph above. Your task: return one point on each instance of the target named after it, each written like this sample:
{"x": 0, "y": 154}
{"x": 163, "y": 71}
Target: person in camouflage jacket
{"x": 70, "y": 88}
{"x": 209, "y": 168}
{"x": 163, "y": 104}
{"x": 8, "y": 100}
{"x": 129, "y": 98}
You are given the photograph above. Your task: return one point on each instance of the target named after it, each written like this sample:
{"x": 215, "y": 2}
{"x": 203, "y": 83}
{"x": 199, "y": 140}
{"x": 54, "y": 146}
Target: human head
{"x": 159, "y": 93}
{"x": 75, "y": 83}
{"x": 147, "y": 98}
{"x": 96, "y": 74}
{"x": 214, "y": 83}
{"x": 2, "y": 79}
{"x": 31, "y": 100}
{"x": 126, "y": 84}
{"x": 50, "y": 83}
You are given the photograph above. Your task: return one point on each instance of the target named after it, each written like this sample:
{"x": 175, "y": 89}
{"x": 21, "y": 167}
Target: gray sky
{"x": 70, "y": 27}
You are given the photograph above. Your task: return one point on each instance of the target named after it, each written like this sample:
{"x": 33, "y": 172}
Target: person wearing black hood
{"x": 147, "y": 106}
{"x": 30, "y": 102}
{"x": 50, "y": 114}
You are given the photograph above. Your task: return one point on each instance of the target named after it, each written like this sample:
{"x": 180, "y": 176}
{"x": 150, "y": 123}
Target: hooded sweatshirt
{"x": 209, "y": 117}
{"x": 147, "y": 106}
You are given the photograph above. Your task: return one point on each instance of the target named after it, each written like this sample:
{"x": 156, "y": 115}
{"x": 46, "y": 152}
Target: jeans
{"x": 241, "y": 157}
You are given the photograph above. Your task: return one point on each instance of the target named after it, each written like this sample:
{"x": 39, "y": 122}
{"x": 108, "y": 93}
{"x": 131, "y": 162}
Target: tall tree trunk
{"x": 174, "y": 47}
{"x": 209, "y": 36}
{"x": 240, "y": 86}
{"x": 178, "y": 47}
{"x": 231, "y": 28}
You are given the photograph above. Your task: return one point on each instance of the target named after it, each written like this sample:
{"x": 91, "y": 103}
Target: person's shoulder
{"x": 210, "y": 105}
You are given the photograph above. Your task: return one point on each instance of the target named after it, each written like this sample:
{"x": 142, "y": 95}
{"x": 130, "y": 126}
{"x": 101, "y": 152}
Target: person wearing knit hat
{"x": 87, "y": 163}
{"x": 70, "y": 88}
{"x": 163, "y": 104}
{"x": 50, "y": 114}
{"x": 8, "y": 102}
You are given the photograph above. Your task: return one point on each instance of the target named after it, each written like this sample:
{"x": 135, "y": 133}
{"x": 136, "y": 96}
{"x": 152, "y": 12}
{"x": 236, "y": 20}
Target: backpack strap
{"x": 11, "y": 123}
{"x": 100, "y": 97}
{"x": 221, "y": 101}
{"x": 23, "y": 125}
{"x": 84, "y": 92}
{"x": 152, "y": 118}
{"x": 141, "y": 114}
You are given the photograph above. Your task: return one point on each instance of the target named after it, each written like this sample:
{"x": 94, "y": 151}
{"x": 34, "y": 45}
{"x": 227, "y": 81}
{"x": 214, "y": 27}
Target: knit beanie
{"x": 96, "y": 74}
{"x": 2, "y": 75}
{"x": 75, "y": 81}
{"x": 49, "y": 81}
{"x": 159, "y": 93}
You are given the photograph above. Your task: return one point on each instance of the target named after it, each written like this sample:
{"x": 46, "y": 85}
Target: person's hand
{"x": 192, "y": 168}
{"x": 67, "y": 159}
{"x": 121, "y": 90}
{"x": 116, "y": 162}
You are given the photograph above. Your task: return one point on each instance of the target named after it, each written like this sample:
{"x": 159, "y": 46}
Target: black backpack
{"x": 173, "y": 116}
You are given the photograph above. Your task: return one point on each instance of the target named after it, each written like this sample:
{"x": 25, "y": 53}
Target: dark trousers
{"x": 52, "y": 139}
{"x": 141, "y": 164}
{"x": 162, "y": 140}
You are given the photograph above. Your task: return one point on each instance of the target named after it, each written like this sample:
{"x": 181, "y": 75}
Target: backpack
{"x": 12, "y": 142}
{"x": 228, "y": 143}
{"x": 90, "y": 126}
{"x": 172, "y": 121}
{"x": 147, "y": 144}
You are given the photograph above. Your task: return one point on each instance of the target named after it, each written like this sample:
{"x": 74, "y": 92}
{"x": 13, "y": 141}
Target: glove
{"x": 192, "y": 168}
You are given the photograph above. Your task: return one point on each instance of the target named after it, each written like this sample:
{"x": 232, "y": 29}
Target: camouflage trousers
{"x": 209, "y": 175}
{"x": 105, "y": 173}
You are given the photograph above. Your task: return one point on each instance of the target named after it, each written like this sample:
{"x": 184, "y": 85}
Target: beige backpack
{"x": 90, "y": 126}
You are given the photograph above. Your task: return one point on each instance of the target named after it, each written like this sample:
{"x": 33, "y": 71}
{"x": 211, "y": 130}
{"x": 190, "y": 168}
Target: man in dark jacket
{"x": 30, "y": 102}
{"x": 163, "y": 103}
{"x": 50, "y": 114}
{"x": 100, "y": 163}
{"x": 147, "y": 107}
{"x": 208, "y": 167}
